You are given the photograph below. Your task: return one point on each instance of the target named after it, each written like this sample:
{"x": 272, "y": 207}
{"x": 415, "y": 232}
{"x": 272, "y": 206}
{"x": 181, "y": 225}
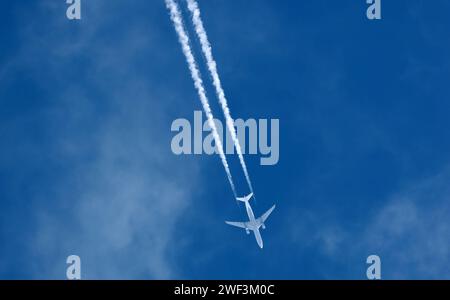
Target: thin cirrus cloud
{"x": 409, "y": 230}
{"x": 111, "y": 199}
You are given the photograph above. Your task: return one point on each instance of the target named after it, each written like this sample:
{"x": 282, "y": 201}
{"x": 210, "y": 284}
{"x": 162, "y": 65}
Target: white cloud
{"x": 413, "y": 230}
{"x": 121, "y": 195}
{"x": 410, "y": 231}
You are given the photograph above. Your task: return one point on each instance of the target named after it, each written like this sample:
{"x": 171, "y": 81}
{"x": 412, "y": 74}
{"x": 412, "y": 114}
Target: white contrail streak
{"x": 212, "y": 67}
{"x": 183, "y": 38}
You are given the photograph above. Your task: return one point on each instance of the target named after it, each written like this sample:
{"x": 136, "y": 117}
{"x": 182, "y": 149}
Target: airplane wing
{"x": 237, "y": 224}
{"x": 264, "y": 217}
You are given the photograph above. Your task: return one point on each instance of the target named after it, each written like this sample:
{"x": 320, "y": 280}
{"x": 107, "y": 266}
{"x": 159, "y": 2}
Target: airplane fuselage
{"x": 251, "y": 215}
{"x": 254, "y": 224}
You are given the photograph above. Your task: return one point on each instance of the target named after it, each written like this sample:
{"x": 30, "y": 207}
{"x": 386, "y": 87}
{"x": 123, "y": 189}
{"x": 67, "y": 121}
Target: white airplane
{"x": 252, "y": 224}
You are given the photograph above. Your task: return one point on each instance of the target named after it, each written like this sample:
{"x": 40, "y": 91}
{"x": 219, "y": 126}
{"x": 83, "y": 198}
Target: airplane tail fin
{"x": 246, "y": 198}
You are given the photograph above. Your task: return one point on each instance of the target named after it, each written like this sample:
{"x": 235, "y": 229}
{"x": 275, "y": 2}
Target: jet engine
{"x": 246, "y": 230}
{"x": 263, "y": 226}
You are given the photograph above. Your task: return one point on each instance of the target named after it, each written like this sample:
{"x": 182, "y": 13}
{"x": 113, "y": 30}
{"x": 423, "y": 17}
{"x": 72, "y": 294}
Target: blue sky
{"x": 86, "y": 166}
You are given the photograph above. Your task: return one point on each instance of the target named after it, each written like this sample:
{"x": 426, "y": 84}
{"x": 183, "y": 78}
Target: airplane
{"x": 253, "y": 224}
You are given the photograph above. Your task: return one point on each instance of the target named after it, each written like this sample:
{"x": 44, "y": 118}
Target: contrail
{"x": 175, "y": 16}
{"x": 212, "y": 67}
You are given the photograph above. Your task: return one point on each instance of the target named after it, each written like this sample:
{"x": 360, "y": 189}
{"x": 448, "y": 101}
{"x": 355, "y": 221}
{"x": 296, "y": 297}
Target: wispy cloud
{"x": 117, "y": 193}
{"x": 410, "y": 231}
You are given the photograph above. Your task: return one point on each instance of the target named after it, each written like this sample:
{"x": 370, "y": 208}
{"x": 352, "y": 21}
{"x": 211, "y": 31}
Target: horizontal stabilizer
{"x": 246, "y": 198}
